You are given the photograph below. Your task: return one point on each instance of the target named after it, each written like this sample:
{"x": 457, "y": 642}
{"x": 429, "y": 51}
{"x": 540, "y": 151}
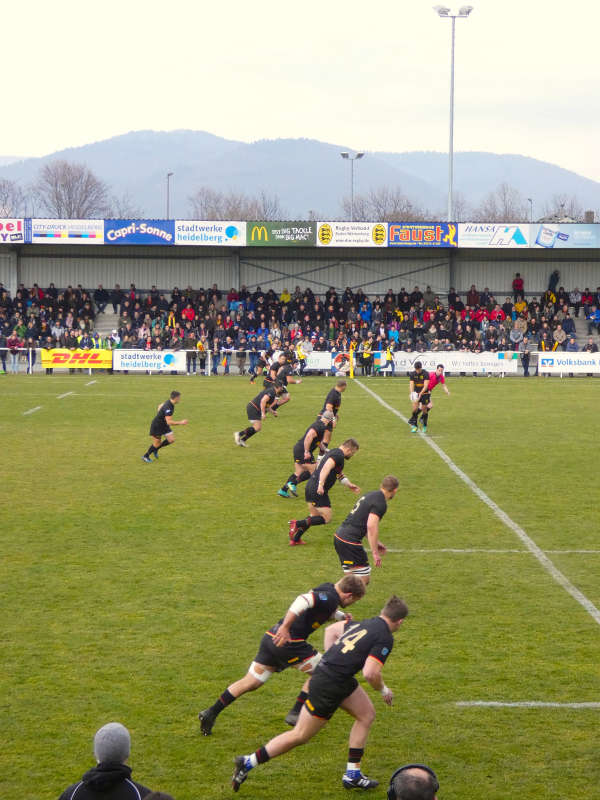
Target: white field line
{"x": 31, "y": 410}
{"x": 91, "y": 383}
{"x": 523, "y": 704}
{"x": 485, "y": 550}
{"x": 66, "y": 394}
{"x": 533, "y": 548}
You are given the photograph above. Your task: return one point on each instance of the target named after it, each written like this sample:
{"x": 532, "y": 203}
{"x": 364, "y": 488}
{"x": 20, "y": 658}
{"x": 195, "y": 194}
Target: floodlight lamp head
{"x": 345, "y": 155}
{"x": 443, "y": 11}
{"x": 464, "y": 11}
{"x": 359, "y": 155}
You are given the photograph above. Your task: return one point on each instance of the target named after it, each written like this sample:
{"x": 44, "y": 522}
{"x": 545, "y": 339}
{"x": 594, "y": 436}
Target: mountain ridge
{"x": 307, "y": 175}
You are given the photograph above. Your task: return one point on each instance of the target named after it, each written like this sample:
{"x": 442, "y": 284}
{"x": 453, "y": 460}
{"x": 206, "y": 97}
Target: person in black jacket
{"x": 111, "y": 778}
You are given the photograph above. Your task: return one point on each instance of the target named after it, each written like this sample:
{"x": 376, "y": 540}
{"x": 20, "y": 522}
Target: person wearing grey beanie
{"x": 111, "y": 778}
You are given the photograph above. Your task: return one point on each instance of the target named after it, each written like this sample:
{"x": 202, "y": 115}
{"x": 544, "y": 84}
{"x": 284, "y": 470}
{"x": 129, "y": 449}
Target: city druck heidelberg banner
{"x": 65, "y": 231}
{"x": 148, "y": 360}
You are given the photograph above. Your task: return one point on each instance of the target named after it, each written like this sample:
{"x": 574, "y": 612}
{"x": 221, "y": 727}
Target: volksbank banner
{"x": 195, "y": 232}
{"x": 563, "y": 363}
{"x": 139, "y": 231}
{"x": 281, "y": 234}
{"x": 151, "y": 360}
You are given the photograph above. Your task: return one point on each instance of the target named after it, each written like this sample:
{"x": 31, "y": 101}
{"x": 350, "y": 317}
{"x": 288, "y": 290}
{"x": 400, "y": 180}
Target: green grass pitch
{"x": 137, "y": 592}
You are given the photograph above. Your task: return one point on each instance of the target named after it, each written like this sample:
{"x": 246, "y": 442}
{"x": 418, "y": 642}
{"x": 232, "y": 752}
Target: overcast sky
{"x": 369, "y": 76}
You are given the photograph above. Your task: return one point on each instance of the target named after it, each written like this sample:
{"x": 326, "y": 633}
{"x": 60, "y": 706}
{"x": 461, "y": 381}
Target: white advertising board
{"x": 152, "y": 360}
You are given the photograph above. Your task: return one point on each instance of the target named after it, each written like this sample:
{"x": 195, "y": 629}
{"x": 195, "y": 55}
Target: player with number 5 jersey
{"x": 363, "y": 521}
{"x": 350, "y": 647}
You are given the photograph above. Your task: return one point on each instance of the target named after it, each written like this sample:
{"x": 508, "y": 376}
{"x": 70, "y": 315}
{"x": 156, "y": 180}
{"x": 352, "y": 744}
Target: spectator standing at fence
{"x": 14, "y": 344}
{"x": 525, "y": 351}
{"x": 111, "y": 778}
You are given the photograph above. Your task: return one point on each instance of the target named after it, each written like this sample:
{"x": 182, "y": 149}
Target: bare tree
{"x": 71, "y": 191}
{"x": 504, "y": 204}
{"x": 12, "y": 199}
{"x": 124, "y": 208}
{"x": 208, "y": 204}
{"x": 561, "y": 206}
{"x": 385, "y": 205}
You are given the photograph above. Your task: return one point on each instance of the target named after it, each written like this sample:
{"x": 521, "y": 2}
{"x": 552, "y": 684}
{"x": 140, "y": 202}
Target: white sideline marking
{"x": 485, "y": 550}
{"x": 66, "y": 394}
{"x": 536, "y": 551}
{"x": 31, "y": 410}
{"x": 524, "y": 704}
{"x": 91, "y": 382}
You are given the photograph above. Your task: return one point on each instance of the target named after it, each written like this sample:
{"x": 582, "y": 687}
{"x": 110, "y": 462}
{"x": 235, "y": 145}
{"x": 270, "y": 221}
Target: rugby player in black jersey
{"x": 284, "y": 645}
{"x": 363, "y": 521}
{"x": 361, "y": 645}
{"x": 256, "y": 411}
{"x": 161, "y": 426}
{"x": 304, "y": 460}
{"x": 419, "y": 384}
{"x": 261, "y": 365}
{"x": 333, "y": 401}
{"x": 317, "y": 489}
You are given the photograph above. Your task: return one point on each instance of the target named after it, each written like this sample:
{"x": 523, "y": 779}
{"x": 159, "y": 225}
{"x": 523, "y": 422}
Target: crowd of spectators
{"x": 248, "y": 321}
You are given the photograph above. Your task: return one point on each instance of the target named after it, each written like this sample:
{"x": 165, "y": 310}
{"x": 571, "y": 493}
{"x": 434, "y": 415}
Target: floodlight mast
{"x": 463, "y": 13}
{"x": 346, "y": 155}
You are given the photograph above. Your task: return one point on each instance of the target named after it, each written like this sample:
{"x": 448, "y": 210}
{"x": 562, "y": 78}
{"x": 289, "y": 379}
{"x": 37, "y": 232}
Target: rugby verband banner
{"x": 148, "y": 360}
{"x": 77, "y": 359}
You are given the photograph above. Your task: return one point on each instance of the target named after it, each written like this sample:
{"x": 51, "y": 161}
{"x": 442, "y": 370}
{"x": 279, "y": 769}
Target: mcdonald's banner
{"x": 265, "y": 233}
{"x": 77, "y": 359}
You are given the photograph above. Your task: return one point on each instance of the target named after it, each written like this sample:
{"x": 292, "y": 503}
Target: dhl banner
{"x": 77, "y": 359}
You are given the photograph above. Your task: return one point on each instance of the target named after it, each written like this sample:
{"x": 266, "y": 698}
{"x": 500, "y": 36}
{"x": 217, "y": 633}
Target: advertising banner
{"x": 281, "y": 234}
{"x": 12, "y": 230}
{"x": 196, "y": 232}
{"x": 456, "y": 361}
{"x": 422, "y": 234}
{"x": 550, "y": 235}
{"x": 77, "y": 359}
{"x": 352, "y": 234}
{"x": 67, "y": 231}
{"x": 484, "y": 234}
{"x": 318, "y": 359}
{"x": 139, "y": 231}
{"x": 556, "y": 363}
{"x": 152, "y": 360}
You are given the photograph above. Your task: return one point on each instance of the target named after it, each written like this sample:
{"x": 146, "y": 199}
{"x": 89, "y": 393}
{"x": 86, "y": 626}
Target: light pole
{"x": 530, "y": 201}
{"x": 463, "y": 13}
{"x": 352, "y": 159}
{"x": 169, "y": 176}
